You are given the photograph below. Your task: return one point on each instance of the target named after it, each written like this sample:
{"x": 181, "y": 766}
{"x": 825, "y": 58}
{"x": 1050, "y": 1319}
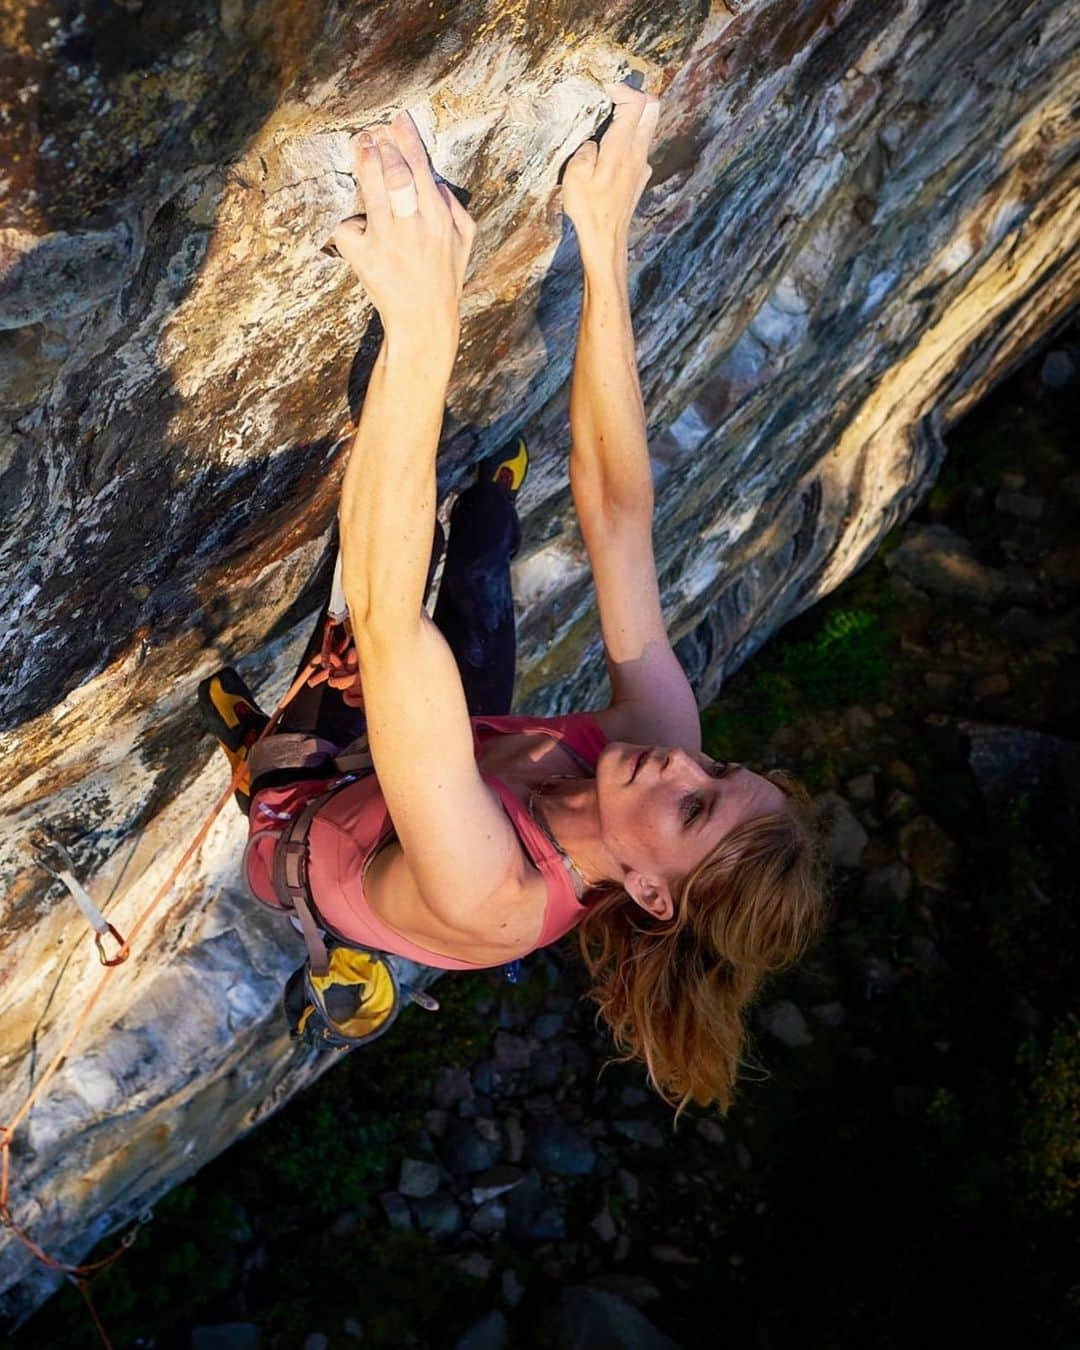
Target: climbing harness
{"x": 343, "y": 995}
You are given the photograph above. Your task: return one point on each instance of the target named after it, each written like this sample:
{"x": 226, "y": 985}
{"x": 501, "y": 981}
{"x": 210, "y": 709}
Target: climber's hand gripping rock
{"x": 603, "y": 181}
{"x": 411, "y": 252}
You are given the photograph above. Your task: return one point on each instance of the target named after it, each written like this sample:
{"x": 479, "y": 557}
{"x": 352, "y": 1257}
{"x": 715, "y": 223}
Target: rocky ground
{"x": 902, "y": 1161}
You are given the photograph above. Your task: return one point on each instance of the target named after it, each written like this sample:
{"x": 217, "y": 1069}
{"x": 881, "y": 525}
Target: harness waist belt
{"x": 289, "y": 870}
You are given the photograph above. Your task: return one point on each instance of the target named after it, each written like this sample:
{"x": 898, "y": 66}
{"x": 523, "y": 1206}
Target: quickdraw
{"x": 48, "y": 852}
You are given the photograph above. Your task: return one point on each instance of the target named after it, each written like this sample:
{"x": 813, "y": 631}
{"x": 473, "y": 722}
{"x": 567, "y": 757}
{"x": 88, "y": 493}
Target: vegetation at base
{"x": 839, "y": 657}
{"x": 1049, "y": 1157}
{"x": 302, "y": 1190}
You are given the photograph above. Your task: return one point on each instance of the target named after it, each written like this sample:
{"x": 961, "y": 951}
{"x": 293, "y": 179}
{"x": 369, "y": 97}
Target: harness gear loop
{"x": 336, "y": 661}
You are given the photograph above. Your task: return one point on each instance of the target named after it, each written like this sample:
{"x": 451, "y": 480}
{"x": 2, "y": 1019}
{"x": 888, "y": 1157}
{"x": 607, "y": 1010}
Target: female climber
{"x": 480, "y": 836}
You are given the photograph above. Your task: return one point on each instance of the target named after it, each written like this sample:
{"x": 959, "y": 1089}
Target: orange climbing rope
{"x": 79, "y": 1274}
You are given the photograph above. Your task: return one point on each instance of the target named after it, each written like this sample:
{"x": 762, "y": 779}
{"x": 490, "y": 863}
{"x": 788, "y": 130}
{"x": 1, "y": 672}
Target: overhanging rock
{"x": 860, "y": 216}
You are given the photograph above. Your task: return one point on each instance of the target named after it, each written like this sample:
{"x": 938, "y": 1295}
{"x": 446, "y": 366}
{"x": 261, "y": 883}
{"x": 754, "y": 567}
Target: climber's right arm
{"x": 456, "y": 838}
{"x": 460, "y": 847}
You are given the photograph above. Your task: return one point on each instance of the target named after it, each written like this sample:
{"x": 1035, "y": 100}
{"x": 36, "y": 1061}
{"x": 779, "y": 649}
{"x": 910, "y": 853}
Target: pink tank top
{"x": 349, "y": 828}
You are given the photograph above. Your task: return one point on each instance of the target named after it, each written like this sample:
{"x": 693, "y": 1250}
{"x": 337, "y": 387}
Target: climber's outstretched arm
{"x": 455, "y": 837}
{"x": 610, "y": 473}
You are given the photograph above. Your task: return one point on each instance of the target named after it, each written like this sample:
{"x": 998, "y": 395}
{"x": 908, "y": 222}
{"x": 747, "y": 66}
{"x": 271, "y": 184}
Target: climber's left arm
{"x": 610, "y": 471}
{"x": 611, "y": 481}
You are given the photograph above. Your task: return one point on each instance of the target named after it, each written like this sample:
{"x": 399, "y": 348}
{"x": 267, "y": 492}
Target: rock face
{"x": 858, "y": 219}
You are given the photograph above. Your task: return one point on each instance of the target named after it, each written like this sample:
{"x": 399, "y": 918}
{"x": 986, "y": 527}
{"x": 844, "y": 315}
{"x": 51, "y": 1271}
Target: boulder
{"x": 594, "y": 1319}
{"x": 438, "y": 1215}
{"x": 938, "y": 560}
{"x": 227, "y": 1336}
{"x": 928, "y": 851}
{"x": 418, "y": 1178}
{"x": 642, "y": 1132}
{"x": 889, "y": 883}
{"x": 492, "y": 1332}
{"x": 464, "y": 1150}
{"x": 784, "y": 1021}
{"x": 1059, "y": 368}
{"x": 845, "y": 838}
{"x": 1013, "y": 766}
{"x": 557, "y": 1147}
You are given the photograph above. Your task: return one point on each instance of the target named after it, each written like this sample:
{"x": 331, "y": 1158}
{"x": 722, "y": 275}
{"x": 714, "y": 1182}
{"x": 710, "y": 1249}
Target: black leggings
{"x": 474, "y": 612}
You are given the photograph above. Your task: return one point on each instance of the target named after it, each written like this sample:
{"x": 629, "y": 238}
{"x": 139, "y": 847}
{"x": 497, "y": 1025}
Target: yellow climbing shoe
{"x": 230, "y": 713}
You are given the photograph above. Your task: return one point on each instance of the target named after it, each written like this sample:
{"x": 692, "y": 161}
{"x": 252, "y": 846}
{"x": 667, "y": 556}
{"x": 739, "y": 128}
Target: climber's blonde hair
{"x": 674, "y": 992}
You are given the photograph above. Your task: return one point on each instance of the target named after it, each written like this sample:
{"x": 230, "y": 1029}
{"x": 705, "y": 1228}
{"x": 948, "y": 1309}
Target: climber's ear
{"x": 651, "y": 893}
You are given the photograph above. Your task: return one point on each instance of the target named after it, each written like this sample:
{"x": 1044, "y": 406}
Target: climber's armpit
{"x": 651, "y": 699}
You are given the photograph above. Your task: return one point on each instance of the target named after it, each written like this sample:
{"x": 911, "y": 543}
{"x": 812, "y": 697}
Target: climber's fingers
{"x": 407, "y": 141}
{"x": 646, "y": 126}
{"x": 397, "y": 177}
{"x": 626, "y": 134}
{"x": 463, "y": 222}
{"x": 367, "y": 166}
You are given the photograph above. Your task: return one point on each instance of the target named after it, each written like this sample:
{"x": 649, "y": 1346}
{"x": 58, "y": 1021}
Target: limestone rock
{"x": 858, "y": 217}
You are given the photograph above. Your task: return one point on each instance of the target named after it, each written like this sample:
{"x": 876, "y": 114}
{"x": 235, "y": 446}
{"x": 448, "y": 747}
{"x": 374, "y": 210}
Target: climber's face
{"x": 663, "y": 809}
